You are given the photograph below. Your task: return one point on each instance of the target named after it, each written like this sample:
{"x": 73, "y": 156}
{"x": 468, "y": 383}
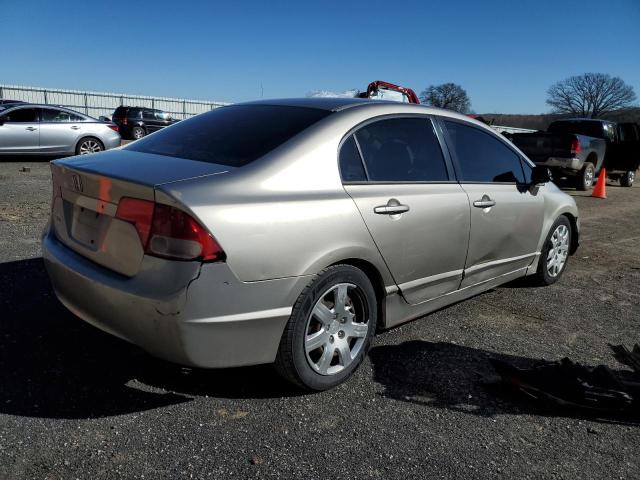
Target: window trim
{"x": 443, "y": 148}
{"x": 490, "y": 133}
{"x": 60, "y": 109}
{"x": 22, "y": 107}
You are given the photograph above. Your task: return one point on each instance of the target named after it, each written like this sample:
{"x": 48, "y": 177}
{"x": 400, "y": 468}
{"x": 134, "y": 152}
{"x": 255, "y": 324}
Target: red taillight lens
{"x": 113, "y": 127}
{"x": 168, "y": 232}
{"x": 140, "y": 213}
{"x": 575, "y": 146}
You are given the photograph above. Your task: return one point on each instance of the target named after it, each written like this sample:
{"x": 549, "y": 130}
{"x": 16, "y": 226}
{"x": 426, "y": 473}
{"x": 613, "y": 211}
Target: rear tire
{"x": 89, "y": 145}
{"x": 555, "y": 253}
{"x": 137, "y": 133}
{"x": 627, "y": 178}
{"x": 586, "y": 176}
{"x": 330, "y": 329}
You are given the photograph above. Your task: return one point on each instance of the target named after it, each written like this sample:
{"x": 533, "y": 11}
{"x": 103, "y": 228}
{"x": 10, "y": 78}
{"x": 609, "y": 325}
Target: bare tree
{"x": 447, "y": 95}
{"x": 590, "y": 95}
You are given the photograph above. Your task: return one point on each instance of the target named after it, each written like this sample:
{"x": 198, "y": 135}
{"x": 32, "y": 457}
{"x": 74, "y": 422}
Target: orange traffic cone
{"x": 600, "y": 190}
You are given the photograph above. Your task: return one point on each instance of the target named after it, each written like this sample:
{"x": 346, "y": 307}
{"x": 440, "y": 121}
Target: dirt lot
{"x": 77, "y": 403}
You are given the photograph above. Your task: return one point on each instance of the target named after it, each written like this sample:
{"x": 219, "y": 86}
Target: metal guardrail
{"x": 103, "y": 103}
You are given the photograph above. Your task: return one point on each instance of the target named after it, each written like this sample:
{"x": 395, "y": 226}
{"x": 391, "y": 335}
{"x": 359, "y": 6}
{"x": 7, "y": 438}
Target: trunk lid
{"x": 86, "y": 193}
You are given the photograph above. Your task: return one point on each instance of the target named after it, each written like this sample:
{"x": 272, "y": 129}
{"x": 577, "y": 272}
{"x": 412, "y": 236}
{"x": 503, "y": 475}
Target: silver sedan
{"x": 289, "y": 232}
{"x": 28, "y": 129}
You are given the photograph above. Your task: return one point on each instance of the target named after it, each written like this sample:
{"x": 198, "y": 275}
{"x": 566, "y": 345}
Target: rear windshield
{"x": 232, "y": 136}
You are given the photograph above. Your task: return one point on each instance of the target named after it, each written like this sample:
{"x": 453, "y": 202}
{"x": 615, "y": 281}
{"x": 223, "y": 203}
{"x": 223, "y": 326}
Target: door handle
{"x": 75, "y": 127}
{"x": 393, "y": 207}
{"x": 31, "y": 129}
{"x": 484, "y": 202}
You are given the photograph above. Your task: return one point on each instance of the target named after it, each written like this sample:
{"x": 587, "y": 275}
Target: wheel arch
{"x": 575, "y": 233}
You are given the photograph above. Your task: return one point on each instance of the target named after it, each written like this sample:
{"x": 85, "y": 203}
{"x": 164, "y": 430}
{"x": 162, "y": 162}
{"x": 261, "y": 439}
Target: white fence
{"x": 103, "y": 103}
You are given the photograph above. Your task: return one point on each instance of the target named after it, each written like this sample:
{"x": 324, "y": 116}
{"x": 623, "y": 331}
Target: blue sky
{"x": 504, "y": 53}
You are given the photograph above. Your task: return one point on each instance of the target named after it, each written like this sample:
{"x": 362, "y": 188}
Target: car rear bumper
{"x": 185, "y": 312}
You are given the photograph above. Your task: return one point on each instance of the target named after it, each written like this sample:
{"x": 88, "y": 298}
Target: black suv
{"x": 136, "y": 122}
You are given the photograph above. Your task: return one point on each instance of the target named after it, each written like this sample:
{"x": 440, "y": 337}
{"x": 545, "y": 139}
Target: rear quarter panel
{"x": 287, "y": 215}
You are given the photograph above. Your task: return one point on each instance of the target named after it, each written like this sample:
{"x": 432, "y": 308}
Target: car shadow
{"x": 454, "y": 377}
{"x": 54, "y": 365}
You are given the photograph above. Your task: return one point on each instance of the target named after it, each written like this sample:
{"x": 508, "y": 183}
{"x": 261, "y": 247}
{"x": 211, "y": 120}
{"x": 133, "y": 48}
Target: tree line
{"x": 590, "y": 95}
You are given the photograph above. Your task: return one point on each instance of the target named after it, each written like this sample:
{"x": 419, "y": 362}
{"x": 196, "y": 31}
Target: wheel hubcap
{"x": 588, "y": 177}
{"x": 89, "y": 146}
{"x": 558, "y": 251}
{"x": 336, "y": 329}
{"x": 138, "y": 134}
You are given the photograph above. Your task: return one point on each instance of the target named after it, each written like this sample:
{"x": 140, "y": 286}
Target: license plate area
{"x": 88, "y": 227}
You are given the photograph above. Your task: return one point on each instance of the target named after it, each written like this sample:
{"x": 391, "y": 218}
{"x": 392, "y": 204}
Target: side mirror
{"x": 540, "y": 175}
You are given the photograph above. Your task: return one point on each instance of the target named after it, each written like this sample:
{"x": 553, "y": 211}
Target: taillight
{"x": 575, "y": 146}
{"x": 113, "y": 126}
{"x": 168, "y": 232}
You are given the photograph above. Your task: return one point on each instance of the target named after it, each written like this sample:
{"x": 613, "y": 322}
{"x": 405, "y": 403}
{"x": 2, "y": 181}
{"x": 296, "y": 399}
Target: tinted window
{"x": 527, "y": 170}
{"x": 482, "y": 157}
{"x": 23, "y": 115}
{"x": 148, "y": 115}
{"x": 351, "y": 169}
{"x": 232, "y": 136}
{"x": 402, "y": 149}
{"x": 49, "y": 115}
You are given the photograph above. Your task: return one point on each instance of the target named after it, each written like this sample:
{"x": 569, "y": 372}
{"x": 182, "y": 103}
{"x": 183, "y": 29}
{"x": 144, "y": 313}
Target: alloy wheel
{"x": 90, "y": 146}
{"x": 336, "y": 329}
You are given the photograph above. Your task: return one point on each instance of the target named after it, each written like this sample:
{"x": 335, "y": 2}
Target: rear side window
{"x": 402, "y": 150}
{"x": 59, "y": 116}
{"x": 481, "y": 157}
{"x": 351, "y": 168}
{"x": 232, "y": 136}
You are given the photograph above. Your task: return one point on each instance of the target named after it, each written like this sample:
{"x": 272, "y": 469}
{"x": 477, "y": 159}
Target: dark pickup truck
{"x": 566, "y": 154}
{"x": 580, "y": 147}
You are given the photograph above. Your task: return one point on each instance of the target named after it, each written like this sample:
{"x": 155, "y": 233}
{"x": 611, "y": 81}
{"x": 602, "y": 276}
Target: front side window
{"x": 160, "y": 115}
{"x": 481, "y": 157}
{"x": 22, "y": 115}
{"x": 234, "y": 136}
{"x": 402, "y": 150}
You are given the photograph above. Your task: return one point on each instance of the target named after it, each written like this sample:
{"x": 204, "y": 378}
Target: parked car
{"x": 136, "y": 122}
{"x": 289, "y": 231}
{"x": 622, "y": 156}
{"x": 50, "y": 130}
{"x": 567, "y": 153}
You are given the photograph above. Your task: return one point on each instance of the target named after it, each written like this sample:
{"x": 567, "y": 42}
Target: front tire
{"x": 627, "y": 179}
{"x": 330, "y": 329}
{"x": 555, "y": 253}
{"x": 586, "y": 176}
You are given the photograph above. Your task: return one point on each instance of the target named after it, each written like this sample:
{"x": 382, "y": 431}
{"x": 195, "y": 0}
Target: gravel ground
{"x": 77, "y": 403}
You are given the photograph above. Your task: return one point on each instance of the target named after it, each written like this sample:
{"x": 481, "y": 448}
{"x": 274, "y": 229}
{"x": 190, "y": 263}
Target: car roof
{"x": 597, "y": 120}
{"x": 333, "y": 104}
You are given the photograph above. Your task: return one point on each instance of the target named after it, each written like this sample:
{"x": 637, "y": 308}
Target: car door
{"x": 60, "y": 130}
{"x": 418, "y": 216}
{"x": 19, "y": 131}
{"x": 506, "y": 214}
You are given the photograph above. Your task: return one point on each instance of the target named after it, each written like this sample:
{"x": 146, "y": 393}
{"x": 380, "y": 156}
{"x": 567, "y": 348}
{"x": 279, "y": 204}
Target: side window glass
{"x": 75, "y": 118}
{"x": 402, "y": 150}
{"x": 527, "y": 171}
{"x": 161, "y": 115}
{"x": 55, "y": 116}
{"x": 22, "y": 115}
{"x": 481, "y": 157}
{"x": 351, "y": 168}
{"x": 148, "y": 115}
